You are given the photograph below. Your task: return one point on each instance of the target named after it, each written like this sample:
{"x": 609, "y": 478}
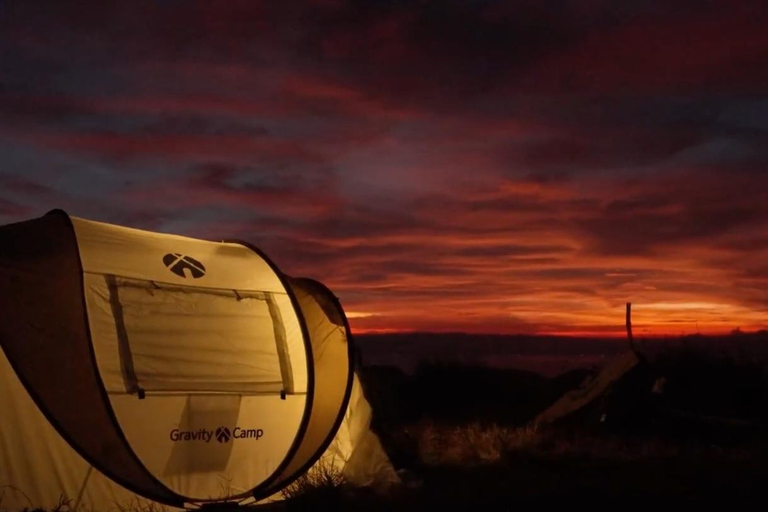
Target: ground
{"x": 464, "y": 436}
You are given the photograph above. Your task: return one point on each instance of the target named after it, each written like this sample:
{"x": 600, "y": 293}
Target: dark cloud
{"x": 17, "y": 184}
{"x": 442, "y": 165}
{"x": 679, "y": 209}
{"x": 501, "y": 250}
{"x": 747, "y": 244}
{"x": 11, "y": 210}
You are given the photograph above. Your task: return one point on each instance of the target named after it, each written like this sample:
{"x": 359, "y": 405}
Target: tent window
{"x": 196, "y": 340}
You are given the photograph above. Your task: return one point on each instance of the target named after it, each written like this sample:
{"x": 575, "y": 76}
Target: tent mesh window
{"x": 180, "y": 339}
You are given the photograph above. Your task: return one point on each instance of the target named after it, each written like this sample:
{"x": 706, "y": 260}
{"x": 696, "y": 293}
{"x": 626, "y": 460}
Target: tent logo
{"x": 184, "y": 266}
{"x": 223, "y": 434}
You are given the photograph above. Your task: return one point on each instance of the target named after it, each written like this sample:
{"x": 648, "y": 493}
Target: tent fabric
{"x": 333, "y": 357}
{"x": 356, "y": 451}
{"x": 228, "y": 274}
{"x": 207, "y": 338}
{"x": 38, "y": 467}
{"x": 108, "y": 249}
{"x": 138, "y": 367}
{"x": 44, "y": 335}
{"x": 591, "y": 390}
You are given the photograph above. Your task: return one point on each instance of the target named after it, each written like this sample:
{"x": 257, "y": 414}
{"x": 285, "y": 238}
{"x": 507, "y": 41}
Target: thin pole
{"x": 629, "y": 333}
{"x": 82, "y": 489}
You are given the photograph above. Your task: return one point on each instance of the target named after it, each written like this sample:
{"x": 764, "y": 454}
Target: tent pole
{"x": 82, "y": 489}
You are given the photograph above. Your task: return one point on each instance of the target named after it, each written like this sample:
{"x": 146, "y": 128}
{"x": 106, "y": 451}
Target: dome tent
{"x": 139, "y": 365}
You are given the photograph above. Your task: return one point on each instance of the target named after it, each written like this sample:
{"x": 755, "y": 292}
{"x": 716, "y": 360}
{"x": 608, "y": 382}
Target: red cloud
{"x": 721, "y": 50}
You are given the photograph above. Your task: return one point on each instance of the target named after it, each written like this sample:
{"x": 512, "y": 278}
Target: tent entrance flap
{"x": 180, "y": 339}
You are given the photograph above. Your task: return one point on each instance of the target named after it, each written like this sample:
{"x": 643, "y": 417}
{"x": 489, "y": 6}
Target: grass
{"x": 725, "y": 379}
{"x": 469, "y": 445}
{"x": 472, "y": 444}
{"x": 64, "y": 504}
{"x": 494, "y": 466}
{"x": 322, "y": 486}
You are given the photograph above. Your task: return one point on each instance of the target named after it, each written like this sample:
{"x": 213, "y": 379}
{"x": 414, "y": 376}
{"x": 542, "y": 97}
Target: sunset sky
{"x": 497, "y": 167}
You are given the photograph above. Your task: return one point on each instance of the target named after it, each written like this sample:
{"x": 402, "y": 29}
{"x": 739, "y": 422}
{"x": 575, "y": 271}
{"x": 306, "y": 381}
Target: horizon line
{"x": 578, "y": 334}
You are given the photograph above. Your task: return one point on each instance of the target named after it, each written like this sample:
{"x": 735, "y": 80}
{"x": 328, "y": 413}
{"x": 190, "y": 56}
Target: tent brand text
{"x": 221, "y": 434}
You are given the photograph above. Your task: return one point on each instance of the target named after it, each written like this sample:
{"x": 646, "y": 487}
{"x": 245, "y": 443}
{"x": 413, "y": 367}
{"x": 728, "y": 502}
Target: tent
{"x": 618, "y": 396}
{"x": 591, "y": 390}
{"x": 146, "y": 367}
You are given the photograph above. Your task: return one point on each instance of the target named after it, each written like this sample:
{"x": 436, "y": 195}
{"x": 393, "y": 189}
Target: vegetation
{"x": 466, "y": 437}
{"x": 64, "y": 504}
{"x": 321, "y": 487}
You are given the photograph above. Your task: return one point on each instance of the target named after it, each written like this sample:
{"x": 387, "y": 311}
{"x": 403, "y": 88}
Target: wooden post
{"x": 629, "y": 333}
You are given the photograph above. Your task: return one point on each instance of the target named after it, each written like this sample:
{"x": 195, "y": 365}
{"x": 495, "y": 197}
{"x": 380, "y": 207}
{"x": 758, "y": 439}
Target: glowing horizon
{"x": 644, "y": 325}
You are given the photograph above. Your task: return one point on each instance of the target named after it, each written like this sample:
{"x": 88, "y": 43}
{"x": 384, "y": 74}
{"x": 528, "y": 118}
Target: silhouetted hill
{"x": 546, "y": 355}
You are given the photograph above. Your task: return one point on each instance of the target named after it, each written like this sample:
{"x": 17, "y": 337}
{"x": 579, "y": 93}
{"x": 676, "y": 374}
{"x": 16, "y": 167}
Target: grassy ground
{"x": 490, "y": 466}
{"x": 464, "y": 435}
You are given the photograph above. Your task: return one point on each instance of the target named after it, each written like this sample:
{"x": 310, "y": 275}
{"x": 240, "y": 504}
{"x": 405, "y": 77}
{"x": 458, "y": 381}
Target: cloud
{"x": 678, "y": 209}
{"x": 503, "y": 166}
{"x": 711, "y": 47}
{"x": 11, "y": 210}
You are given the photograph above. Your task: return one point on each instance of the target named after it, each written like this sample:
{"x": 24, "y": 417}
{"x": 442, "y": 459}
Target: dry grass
{"x": 322, "y": 484}
{"x": 477, "y": 444}
{"x": 141, "y": 505}
{"x": 470, "y": 444}
{"x": 64, "y": 504}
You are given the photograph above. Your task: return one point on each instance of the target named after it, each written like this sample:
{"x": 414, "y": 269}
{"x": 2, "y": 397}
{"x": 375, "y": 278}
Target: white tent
{"x": 590, "y": 390}
{"x": 144, "y": 366}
